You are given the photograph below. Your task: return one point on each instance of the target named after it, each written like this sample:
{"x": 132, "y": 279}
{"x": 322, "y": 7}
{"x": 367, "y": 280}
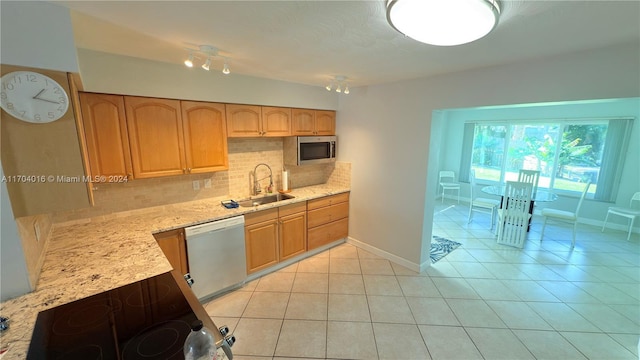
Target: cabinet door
{"x": 261, "y": 245}
{"x": 303, "y": 122}
{"x": 105, "y": 126}
{"x": 276, "y": 121}
{"x": 155, "y": 136}
{"x": 243, "y": 120}
{"x": 174, "y": 247}
{"x": 205, "y": 136}
{"x": 293, "y": 235}
{"x": 325, "y": 122}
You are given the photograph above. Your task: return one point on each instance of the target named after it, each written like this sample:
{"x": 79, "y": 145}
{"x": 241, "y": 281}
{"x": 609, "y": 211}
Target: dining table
{"x": 541, "y": 195}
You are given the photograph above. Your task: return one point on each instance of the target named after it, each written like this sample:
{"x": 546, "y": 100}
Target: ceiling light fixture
{"x": 207, "y": 64}
{"x": 189, "y": 61}
{"x": 443, "y": 22}
{"x": 211, "y": 53}
{"x": 340, "y": 83}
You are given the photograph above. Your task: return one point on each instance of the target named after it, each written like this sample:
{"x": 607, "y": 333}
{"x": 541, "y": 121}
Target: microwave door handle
{"x": 333, "y": 149}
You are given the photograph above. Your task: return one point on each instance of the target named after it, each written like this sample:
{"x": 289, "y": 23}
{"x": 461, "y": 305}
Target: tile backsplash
{"x": 237, "y": 182}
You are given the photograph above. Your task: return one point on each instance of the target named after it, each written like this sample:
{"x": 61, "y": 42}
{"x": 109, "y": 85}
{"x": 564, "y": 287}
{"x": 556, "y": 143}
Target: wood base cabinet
{"x": 328, "y": 220}
{"x": 174, "y": 246}
{"x": 275, "y": 235}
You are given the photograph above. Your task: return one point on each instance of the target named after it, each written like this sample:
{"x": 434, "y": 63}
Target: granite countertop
{"x": 90, "y": 256}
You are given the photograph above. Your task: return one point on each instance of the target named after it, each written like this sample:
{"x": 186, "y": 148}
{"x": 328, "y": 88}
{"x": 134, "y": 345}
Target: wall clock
{"x": 33, "y": 97}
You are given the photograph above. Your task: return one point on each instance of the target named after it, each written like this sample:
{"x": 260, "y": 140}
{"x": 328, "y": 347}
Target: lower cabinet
{"x": 174, "y": 246}
{"x": 328, "y": 220}
{"x": 275, "y": 235}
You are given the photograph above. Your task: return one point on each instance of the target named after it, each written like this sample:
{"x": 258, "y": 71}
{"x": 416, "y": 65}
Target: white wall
{"x": 37, "y": 34}
{"x": 33, "y": 34}
{"x": 388, "y": 134}
{"x": 109, "y": 73}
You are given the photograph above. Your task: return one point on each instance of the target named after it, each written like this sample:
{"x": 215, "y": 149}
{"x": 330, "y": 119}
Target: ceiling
{"x": 310, "y": 42}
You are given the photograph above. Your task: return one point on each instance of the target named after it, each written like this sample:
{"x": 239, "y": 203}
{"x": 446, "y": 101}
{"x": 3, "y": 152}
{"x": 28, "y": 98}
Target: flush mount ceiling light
{"x": 210, "y": 53}
{"x": 443, "y": 22}
{"x": 340, "y": 83}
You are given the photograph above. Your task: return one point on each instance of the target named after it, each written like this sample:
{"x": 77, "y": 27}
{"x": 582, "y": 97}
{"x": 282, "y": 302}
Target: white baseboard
{"x": 387, "y": 255}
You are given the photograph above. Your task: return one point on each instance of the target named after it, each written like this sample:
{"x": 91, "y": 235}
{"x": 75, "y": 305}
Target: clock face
{"x": 33, "y": 97}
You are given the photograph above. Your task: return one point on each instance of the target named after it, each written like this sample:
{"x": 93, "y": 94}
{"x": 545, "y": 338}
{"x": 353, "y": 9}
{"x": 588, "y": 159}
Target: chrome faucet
{"x": 256, "y": 181}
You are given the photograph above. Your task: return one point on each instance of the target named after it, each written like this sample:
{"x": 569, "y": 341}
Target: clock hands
{"x": 37, "y": 97}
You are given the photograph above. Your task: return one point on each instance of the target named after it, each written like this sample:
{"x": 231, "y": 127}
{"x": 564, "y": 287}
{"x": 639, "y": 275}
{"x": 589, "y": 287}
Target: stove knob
{"x": 224, "y": 330}
{"x": 230, "y": 339}
{"x": 188, "y": 279}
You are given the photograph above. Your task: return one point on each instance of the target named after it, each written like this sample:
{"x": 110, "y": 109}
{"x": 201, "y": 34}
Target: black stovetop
{"x": 149, "y": 319}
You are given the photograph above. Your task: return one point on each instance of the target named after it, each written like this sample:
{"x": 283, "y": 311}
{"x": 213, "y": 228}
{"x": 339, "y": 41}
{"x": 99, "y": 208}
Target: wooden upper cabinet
{"x": 325, "y": 122}
{"x": 156, "y": 136}
{"x": 205, "y": 136}
{"x": 244, "y": 120}
{"x": 308, "y": 122}
{"x": 276, "y": 121}
{"x": 105, "y": 127}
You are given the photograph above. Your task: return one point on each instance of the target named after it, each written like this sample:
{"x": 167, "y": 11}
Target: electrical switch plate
{"x": 207, "y": 183}
{"x": 196, "y": 185}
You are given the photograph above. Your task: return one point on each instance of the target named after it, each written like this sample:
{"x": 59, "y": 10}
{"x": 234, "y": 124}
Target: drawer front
{"x": 260, "y": 216}
{"x": 292, "y": 208}
{"x": 327, "y": 214}
{"x": 325, "y": 234}
{"x": 327, "y": 201}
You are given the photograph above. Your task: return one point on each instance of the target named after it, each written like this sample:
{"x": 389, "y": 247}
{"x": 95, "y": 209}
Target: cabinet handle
{"x": 189, "y": 170}
{"x": 184, "y": 171}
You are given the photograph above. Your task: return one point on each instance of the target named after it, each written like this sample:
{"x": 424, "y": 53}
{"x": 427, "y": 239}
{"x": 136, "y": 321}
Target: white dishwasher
{"x": 216, "y": 255}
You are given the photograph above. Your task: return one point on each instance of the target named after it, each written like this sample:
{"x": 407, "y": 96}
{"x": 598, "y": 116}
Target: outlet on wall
{"x": 196, "y": 184}
{"x": 207, "y": 183}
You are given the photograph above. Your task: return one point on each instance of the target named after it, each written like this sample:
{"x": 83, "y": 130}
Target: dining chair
{"x": 513, "y": 218}
{"x": 631, "y": 213}
{"x": 532, "y": 177}
{"x": 480, "y": 204}
{"x": 567, "y": 216}
{"x": 447, "y": 180}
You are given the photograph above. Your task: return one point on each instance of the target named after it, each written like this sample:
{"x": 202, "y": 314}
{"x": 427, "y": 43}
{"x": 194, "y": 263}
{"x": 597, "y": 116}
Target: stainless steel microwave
{"x": 308, "y": 150}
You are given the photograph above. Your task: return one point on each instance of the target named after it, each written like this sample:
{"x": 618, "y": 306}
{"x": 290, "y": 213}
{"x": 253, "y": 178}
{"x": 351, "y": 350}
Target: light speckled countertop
{"x": 87, "y": 257}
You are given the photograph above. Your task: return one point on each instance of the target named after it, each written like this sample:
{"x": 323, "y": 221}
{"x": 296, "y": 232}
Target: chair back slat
{"x": 532, "y": 177}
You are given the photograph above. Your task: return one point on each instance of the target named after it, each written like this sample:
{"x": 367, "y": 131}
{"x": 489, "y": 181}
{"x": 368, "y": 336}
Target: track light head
{"x": 328, "y": 87}
{"x": 346, "y": 89}
{"x": 189, "y": 61}
{"x": 225, "y": 69}
{"x": 207, "y": 64}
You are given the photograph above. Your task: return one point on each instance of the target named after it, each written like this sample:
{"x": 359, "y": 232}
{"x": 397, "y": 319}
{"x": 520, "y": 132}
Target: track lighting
{"x": 207, "y": 64}
{"x": 189, "y": 61}
{"x": 340, "y": 83}
{"x": 210, "y": 53}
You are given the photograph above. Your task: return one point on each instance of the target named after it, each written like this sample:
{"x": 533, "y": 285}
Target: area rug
{"x": 440, "y": 247}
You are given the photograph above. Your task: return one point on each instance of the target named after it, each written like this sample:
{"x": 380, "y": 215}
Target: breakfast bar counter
{"x": 90, "y": 256}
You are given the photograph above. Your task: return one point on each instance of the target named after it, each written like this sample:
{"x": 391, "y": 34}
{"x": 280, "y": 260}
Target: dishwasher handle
{"x": 214, "y": 226}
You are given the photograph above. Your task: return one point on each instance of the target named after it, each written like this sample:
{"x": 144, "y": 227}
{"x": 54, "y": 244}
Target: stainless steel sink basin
{"x": 264, "y": 200}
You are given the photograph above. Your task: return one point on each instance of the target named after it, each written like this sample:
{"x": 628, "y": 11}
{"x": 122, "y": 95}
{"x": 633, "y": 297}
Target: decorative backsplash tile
{"x": 236, "y": 183}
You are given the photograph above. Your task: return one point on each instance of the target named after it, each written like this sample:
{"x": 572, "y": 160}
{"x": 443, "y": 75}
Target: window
{"x": 567, "y": 154}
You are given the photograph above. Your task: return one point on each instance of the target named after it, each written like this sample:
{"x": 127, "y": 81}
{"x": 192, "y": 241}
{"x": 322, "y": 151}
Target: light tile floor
{"x": 482, "y": 301}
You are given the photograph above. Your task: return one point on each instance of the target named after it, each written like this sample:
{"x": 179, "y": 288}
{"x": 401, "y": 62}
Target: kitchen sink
{"x": 264, "y": 200}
